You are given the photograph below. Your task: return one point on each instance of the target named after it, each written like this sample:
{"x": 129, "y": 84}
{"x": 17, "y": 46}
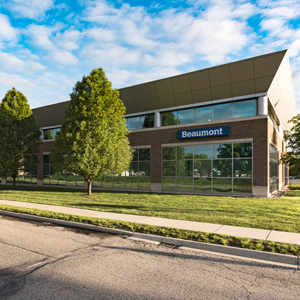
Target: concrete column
{"x": 263, "y": 106}
{"x": 157, "y": 121}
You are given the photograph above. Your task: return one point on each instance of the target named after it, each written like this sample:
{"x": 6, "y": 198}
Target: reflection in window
{"x": 195, "y": 169}
{"x": 186, "y": 116}
{"x": 139, "y": 122}
{"x": 223, "y": 111}
{"x": 204, "y": 114}
{"x": 50, "y": 134}
{"x": 222, "y": 151}
{"x": 169, "y": 118}
{"x": 245, "y": 108}
{"x": 229, "y": 110}
{"x": 242, "y": 150}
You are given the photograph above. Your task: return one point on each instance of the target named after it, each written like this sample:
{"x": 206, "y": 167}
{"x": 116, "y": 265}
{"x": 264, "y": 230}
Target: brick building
{"x": 212, "y": 131}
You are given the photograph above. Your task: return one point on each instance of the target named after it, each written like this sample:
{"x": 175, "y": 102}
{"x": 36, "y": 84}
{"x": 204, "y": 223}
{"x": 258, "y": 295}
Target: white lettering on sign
{"x": 203, "y": 132}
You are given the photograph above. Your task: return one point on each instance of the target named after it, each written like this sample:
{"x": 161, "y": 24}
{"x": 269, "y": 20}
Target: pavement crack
{"x": 22, "y": 248}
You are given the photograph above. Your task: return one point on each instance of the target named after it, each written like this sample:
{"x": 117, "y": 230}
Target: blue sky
{"x": 47, "y": 45}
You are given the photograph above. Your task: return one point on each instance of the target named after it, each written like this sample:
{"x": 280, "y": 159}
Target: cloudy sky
{"x": 47, "y": 45}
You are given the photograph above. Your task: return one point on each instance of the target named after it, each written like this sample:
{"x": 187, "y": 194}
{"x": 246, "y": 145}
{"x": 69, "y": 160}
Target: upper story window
{"x": 49, "y": 134}
{"x": 238, "y": 109}
{"x": 139, "y": 122}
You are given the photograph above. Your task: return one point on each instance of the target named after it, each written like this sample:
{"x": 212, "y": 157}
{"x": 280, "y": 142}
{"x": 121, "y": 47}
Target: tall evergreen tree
{"x": 19, "y": 135}
{"x": 93, "y": 139}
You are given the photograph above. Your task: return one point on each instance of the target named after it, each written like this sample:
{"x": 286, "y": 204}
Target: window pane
{"x": 245, "y": 108}
{"x": 97, "y": 182}
{"x": 46, "y": 170}
{"x": 184, "y": 168}
{"x": 144, "y": 154}
{"x": 144, "y": 183}
{"x": 119, "y": 181}
{"x": 185, "y": 152}
{"x": 169, "y": 118}
{"x": 144, "y": 169}
{"x": 202, "y": 184}
{"x": 242, "y": 185}
{"x": 222, "y": 185}
{"x": 223, "y": 111}
{"x": 133, "y": 123}
{"x": 135, "y": 155}
{"x": 222, "y": 151}
{"x": 242, "y": 167}
{"x": 46, "y": 159}
{"x": 147, "y": 121}
{"x": 186, "y": 116}
{"x": 132, "y": 182}
{"x": 169, "y": 184}
{"x": 133, "y": 169}
{"x": 168, "y": 168}
{"x": 242, "y": 150}
{"x": 204, "y": 114}
{"x": 185, "y": 184}
{"x": 202, "y": 152}
{"x": 202, "y": 168}
{"x": 222, "y": 168}
{"x": 169, "y": 153}
{"x": 107, "y": 181}
{"x": 54, "y": 132}
{"x": 47, "y": 134}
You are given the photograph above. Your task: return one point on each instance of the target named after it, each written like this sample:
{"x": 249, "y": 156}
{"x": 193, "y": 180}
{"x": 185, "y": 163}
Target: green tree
{"x": 93, "y": 138}
{"x": 19, "y": 135}
{"x": 292, "y": 157}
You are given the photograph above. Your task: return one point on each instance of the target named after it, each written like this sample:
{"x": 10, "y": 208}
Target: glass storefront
{"x": 218, "y": 168}
{"x": 136, "y": 178}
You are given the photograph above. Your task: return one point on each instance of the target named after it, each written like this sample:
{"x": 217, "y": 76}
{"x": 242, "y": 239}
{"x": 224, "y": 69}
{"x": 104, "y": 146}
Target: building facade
{"x": 212, "y": 131}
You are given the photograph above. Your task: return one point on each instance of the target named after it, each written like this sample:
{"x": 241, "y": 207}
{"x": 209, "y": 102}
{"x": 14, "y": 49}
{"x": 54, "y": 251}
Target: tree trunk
{"x": 90, "y": 187}
{"x": 14, "y": 181}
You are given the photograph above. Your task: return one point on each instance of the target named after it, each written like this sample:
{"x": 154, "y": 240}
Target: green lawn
{"x": 277, "y": 214}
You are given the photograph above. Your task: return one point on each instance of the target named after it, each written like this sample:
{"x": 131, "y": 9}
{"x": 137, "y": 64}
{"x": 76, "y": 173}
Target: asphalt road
{"x": 42, "y": 261}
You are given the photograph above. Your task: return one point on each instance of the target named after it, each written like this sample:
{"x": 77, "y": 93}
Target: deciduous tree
{"x": 19, "y": 135}
{"x": 93, "y": 139}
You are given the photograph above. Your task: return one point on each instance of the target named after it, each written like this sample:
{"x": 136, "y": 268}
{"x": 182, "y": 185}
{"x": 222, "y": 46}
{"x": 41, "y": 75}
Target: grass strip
{"x": 273, "y": 214}
{"x": 213, "y": 238}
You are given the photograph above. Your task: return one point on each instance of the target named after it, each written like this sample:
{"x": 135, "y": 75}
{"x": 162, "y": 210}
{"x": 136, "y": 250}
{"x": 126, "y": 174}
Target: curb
{"x": 282, "y": 260}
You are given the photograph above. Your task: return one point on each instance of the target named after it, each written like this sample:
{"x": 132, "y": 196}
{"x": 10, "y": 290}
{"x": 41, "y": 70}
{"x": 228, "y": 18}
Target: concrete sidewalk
{"x": 261, "y": 234}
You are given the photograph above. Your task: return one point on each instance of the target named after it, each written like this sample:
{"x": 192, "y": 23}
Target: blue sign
{"x": 203, "y": 132}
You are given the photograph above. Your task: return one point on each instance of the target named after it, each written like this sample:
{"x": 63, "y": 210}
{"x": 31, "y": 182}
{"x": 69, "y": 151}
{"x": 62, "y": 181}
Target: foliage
{"x": 93, "y": 139}
{"x": 19, "y": 135}
{"x": 274, "y": 214}
{"x": 293, "y": 142}
{"x": 204, "y": 237}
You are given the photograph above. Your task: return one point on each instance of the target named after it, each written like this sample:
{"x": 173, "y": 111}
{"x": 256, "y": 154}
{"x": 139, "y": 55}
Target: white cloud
{"x": 41, "y": 37}
{"x": 170, "y": 38}
{"x": 32, "y": 9}
{"x": 7, "y": 32}
{"x": 10, "y": 62}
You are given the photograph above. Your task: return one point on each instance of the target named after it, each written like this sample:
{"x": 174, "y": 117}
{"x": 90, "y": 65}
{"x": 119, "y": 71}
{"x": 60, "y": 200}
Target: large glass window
{"x": 51, "y": 177}
{"x": 137, "y": 177}
{"x": 217, "y": 168}
{"x": 223, "y": 111}
{"x": 139, "y": 122}
{"x": 273, "y": 166}
{"x": 245, "y": 108}
{"x": 204, "y": 114}
{"x": 186, "y": 116}
{"x": 50, "y": 134}
{"x": 228, "y": 110}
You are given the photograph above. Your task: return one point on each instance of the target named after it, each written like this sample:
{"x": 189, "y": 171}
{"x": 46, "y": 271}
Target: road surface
{"x": 43, "y": 261}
